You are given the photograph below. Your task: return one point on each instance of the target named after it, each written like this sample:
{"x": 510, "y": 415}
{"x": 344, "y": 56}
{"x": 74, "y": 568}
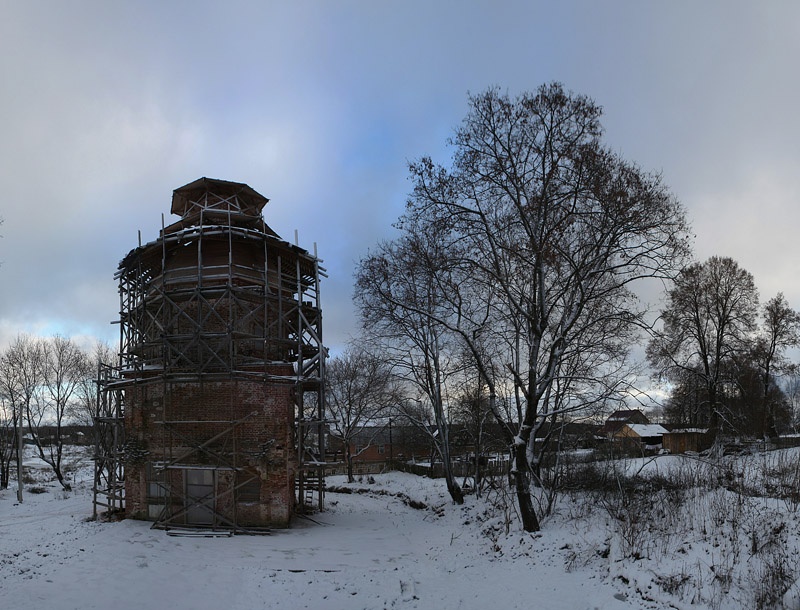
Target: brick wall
{"x": 165, "y": 422}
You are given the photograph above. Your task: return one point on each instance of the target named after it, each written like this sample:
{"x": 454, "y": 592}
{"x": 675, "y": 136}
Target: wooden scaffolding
{"x": 218, "y": 306}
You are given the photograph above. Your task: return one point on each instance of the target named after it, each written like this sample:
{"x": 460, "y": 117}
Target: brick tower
{"x": 219, "y": 391}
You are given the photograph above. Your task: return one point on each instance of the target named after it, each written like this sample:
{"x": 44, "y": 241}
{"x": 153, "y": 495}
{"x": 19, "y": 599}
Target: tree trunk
{"x": 530, "y": 523}
{"x": 478, "y": 474}
{"x": 349, "y": 460}
{"x": 768, "y": 427}
{"x": 713, "y": 421}
{"x": 63, "y": 482}
{"x": 452, "y": 485}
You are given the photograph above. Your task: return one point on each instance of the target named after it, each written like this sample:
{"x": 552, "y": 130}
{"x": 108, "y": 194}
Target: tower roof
{"x": 219, "y": 195}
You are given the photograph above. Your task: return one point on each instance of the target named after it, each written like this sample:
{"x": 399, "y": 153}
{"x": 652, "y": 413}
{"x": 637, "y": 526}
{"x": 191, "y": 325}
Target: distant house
{"x": 373, "y": 447}
{"x": 568, "y": 435}
{"x": 643, "y": 435}
{"x": 618, "y": 419}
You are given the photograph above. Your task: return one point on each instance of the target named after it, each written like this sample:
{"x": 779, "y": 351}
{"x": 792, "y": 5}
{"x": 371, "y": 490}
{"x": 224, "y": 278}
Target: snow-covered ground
{"x": 372, "y": 550}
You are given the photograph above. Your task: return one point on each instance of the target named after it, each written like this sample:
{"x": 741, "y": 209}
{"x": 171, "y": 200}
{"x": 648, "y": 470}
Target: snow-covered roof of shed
{"x": 645, "y": 430}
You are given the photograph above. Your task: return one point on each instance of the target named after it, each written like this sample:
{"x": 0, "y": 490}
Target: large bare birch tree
{"x": 540, "y": 235}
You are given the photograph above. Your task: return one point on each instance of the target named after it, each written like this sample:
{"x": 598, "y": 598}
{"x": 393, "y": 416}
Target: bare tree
{"x": 360, "y": 392}
{"x": 83, "y": 409}
{"x": 398, "y": 297}
{"x": 21, "y": 377}
{"x": 751, "y": 408}
{"x": 540, "y": 234}
{"x": 792, "y": 389}
{"x": 472, "y": 413}
{"x": 780, "y": 330}
{"x": 64, "y": 367}
{"x": 687, "y": 404}
{"x": 708, "y": 321}
{"x": 8, "y": 444}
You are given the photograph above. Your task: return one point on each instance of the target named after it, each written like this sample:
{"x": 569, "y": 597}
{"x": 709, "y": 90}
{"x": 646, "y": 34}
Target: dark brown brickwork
{"x": 172, "y": 426}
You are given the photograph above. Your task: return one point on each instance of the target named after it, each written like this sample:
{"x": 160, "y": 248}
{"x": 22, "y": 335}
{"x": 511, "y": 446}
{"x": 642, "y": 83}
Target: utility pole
{"x": 18, "y": 421}
{"x": 391, "y": 448}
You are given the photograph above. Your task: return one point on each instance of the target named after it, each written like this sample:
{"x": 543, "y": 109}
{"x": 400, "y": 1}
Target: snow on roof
{"x": 647, "y": 429}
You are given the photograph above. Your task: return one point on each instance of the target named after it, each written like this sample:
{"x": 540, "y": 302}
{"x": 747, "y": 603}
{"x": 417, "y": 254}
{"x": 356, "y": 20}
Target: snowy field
{"x": 370, "y": 549}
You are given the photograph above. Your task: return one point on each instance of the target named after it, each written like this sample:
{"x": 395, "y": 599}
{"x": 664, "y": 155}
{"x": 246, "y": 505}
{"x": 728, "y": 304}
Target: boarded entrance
{"x": 199, "y": 496}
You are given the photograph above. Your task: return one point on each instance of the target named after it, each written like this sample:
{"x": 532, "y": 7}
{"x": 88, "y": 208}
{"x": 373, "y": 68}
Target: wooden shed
{"x": 688, "y": 439}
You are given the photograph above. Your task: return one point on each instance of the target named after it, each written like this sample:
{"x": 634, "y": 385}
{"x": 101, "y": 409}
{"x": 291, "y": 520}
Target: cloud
{"x": 754, "y": 221}
{"x": 106, "y": 108}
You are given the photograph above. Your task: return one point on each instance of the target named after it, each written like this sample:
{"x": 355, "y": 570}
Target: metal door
{"x": 199, "y": 496}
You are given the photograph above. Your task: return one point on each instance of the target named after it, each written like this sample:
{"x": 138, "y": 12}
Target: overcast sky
{"x": 106, "y": 107}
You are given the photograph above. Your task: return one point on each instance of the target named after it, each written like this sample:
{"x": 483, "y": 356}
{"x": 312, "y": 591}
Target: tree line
{"x": 723, "y": 354}
{"x": 45, "y": 383}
